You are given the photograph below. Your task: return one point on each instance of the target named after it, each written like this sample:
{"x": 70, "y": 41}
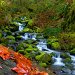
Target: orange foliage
{"x": 4, "y": 53}
{"x": 24, "y": 66}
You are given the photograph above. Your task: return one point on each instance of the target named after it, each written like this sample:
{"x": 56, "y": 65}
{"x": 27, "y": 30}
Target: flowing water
{"x": 58, "y": 65}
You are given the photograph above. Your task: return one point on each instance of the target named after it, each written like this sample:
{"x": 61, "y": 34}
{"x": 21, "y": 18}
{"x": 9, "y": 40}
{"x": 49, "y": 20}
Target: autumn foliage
{"x": 23, "y": 65}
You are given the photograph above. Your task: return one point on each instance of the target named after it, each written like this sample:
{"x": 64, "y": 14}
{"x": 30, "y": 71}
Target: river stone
{"x": 6, "y": 67}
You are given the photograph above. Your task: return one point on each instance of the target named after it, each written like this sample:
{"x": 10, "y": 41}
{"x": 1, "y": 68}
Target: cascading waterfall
{"x": 58, "y": 60}
{"x": 20, "y": 26}
{"x": 29, "y": 36}
{"x": 42, "y": 45}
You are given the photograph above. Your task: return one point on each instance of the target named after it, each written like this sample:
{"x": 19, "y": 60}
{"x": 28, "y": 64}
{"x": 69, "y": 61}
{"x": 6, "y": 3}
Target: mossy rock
{"x": 13, "y": 26}
{"x": 55, "y": 45}
{"x": 38, "y": 30}
{"x": 27, "y": 55}
{"x": 22, "y": 46}
{"x": 10, "y": 37}
{"x": 64, "y": 55}
{"x": 39, "y": 36}
{"x": 68, "y": 60}
{"x": 8, "y": 32}
{"x": 26, "y": 30}
{"x": 30, "y": 22}
{"x": 22, "y": 51}
{"x": 43, "y": 64}
{"x": 39, "y": 57}
{"x": 30, "y": 41}
{"x": 72, "y": 51}
{"x": 43, "y": 57}
{"x": 51, "y": 40}
{"x": 11, "y": 41}
{"x": 19, "y": 37}
{"x": 30, "y": 48}
{"x": 0, "y": 35}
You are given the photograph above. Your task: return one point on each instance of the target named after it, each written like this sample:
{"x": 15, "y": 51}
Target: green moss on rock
{"x": 43, "y": 57}
{"x": 67, "y": 60}
{"x": 64, "y": 55}
{"x": 43, "y": 64}
{"x": 21, "y": 51}
{"x": 10, "y": 37}
{"x": 0, "y": 35}
{"x": 55, "y": 45}
{"x": 72, "y": 51}
{"x": 26, "y": 30}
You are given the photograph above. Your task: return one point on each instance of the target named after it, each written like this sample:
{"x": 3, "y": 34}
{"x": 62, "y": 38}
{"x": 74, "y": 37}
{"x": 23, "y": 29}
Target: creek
{"x": 58, "y": 65}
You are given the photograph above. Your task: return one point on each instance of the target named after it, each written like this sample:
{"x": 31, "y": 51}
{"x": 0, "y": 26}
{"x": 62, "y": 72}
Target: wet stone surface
{"x": 6, "y": 67}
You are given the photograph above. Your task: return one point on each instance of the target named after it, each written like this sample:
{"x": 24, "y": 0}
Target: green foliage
{"x": 67, "y": 60}
{"x": 56, "y": 45}
{"x": 72, "y": 51}
{"x": 69, "y": 24}
{"x": 52, "y": 39}
{"x": 22, "y": 46}
{"x": 10, "y": 37}
{"x": 43, "y": 64}
{"x": 67, "y": 41}
{"x": 65, "y": 55}
{"x": 30, "y": 22}
{"x": 21, "y": 51}
{"x": 0, "y": 35}
{"x": 51, "y": 31}
{"x": 26, "y": 30}
{"x": 44, "y": 58}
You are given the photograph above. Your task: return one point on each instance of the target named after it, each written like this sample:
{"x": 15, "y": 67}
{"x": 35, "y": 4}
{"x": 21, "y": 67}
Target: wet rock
{"x": 72, "y": 52}
{"x": 43, "y": 64}
{"x": 6, "y": 67}
{"x": 64, "y": 55}
{"x": 43, "y": 57}
{"x": 10, "y": 37}
{"x": 22, "y": 46}
{"x": 0, "y": 35}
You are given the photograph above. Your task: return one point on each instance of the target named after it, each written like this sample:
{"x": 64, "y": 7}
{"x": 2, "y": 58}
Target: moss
{"x": 67, "y": 60}
{"x": 51, "y": 40}
{"x": 39, "y": 57}
{"x": 0, "y": 35}
{"x": 10, "y": 37}
{"x": 11, "y": 41}
{"x": 22, "y": 46}
{"x": 26, "y": 30}
{"x": 30, "y": 48}
{"x": 37, "y": 30}
{"x": 27, "y": 55}
{"x": 39, "y": 36}
{"x": 55, "y": 45}
{"x": 18, "y": 37}
{"x": 43, "y": 57}
{"x": 30, "y": 22}
{"x": 43, "y": 64}
{"x": 64, "y": 55}
{"x": 72, "y": 51}
{"x": 30, "y": 41}
{"x": 67, "y": 41}
{"x": 21, "y": 51}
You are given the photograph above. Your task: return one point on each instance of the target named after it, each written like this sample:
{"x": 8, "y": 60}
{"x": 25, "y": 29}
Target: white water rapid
{"x": 42, "y": 45}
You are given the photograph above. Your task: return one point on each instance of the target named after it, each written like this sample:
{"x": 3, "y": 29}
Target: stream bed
{"x": 58, "y": 66}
